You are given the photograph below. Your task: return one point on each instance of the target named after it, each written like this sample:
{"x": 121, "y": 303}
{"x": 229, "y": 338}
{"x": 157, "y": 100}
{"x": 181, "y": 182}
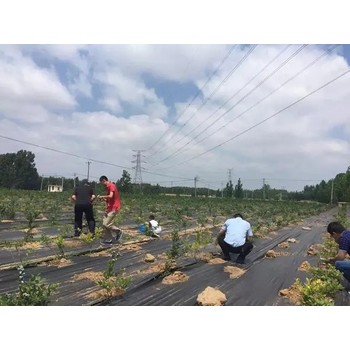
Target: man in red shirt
{"x": 113, "y": 205}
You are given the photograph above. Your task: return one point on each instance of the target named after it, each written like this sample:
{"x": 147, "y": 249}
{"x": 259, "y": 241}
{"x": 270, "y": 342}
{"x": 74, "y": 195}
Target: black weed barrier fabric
{"x": 259, "y": 285}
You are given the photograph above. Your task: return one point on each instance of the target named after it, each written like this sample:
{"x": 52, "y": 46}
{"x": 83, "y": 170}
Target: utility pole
{"x": 88, "y": 172}
{"x": 332, "y": 191}
{"x": 222, "y": 190}
{"x": 62, "y": 182}
{"x": 283, "y": 188}
{"x": 195, "y": 185}
{"x": 74, "y": 179}
{"x": 42, "y": 180}
{"x": 264, "y": 194}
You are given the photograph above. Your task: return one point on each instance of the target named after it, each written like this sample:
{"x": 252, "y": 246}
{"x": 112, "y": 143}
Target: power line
{"x": 251, "y": 49}
{"x": 63, "y": 152}
{"x": 82, "y": 157}
{"x": 235, "y": 94}
{"x": 239, "y": 101}
{"x": 268, "y": 95}
{"x": 196, "y": 95}
{"x": 268, "y": 118}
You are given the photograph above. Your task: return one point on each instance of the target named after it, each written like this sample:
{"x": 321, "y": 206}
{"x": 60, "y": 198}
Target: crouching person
{"x": 342, "y": 237}
{"x": 154, "y": 226}
{"x": 234, "y": 238}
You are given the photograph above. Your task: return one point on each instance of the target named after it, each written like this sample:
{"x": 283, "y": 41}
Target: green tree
{"x": 124, "y": 183}
{"x": 18, "y": 171}
{"x": 228, "y": 191}
{"x": 239, "y": 189}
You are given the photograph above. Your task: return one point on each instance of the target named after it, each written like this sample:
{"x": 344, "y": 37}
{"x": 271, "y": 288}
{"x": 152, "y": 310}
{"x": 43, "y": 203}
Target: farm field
{"x": 36, "y": 230}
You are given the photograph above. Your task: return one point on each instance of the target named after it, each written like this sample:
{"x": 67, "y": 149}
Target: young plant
{"x": 175, "y": 250}
{"x": 31, "y": 214}
{"x": 113, "y": 283}
{"x": 320, "y": 289}
{"x": 33, "y": 292}
{"x": 59, "y": 241}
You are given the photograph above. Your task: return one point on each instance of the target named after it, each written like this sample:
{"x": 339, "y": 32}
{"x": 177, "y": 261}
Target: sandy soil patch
{"x": 204, "y": 256}
{"x": 57, "y": 263}
{"x": 176, "y": 277}
{"x": 216, "y": 261}
{"x": 149, "y": 258}
{"x": 101, "y": 294}
{"x": 88, "y": 275}
{"x": 104, "y": 253}
{"x": 314, "y": 249}
{"x": 211, "y": 297}
{"x": 32, "y": 245}
{"x": 132, "y": 247}
{"x": 293, "y": 293}
{"x": 304, "y": 266}
{"x": 33, "y": 231}
{"x": 156, "y": 268}
{"x": 234, "y": 271}
{"x": 283, "y": 245}
{"x": 271, "y": 254}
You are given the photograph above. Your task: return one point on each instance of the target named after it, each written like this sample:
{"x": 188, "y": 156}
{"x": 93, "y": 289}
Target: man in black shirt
{"x": 83, "y": 196}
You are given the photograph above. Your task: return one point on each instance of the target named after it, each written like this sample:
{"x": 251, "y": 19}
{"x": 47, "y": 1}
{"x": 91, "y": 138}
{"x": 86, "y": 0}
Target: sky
{"x": 215, "y": 112}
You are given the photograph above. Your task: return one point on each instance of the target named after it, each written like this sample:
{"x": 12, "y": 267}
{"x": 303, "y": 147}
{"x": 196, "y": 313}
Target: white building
{"x": 54, "y": 188}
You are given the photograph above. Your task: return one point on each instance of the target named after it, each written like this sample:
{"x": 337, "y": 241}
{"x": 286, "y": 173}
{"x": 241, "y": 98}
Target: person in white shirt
{"x": 154, "y": 226}
{"x": 233, "y": 238}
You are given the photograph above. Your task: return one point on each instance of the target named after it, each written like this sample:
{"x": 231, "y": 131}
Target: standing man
{"x": 233, "y": 238}
{"x": 83, "y": 196}
{"x": 112, "y": 207}
{"x": 342, "y": 236}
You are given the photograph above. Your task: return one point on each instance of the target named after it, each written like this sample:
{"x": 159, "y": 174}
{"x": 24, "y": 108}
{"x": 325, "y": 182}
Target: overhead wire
{"x": 235, "y": 94}
{"x": 194, "y": 97}
{"x": 237, "y": 103}
{"x": 266, "y": 119}
{"x": 270, "y": 93}
{"x": 251, "y": 49}
{"x": 265, "y": 97}
{"x": 85, "y": 158}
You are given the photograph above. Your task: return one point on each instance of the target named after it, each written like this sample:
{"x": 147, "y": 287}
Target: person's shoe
{"x": 155, "y": 235}
{"x": 240, "y": 261}
{"x": 106, "y": 244}
{"x": 119, "y": 236}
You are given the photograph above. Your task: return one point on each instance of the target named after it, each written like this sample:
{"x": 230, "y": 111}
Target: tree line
{"x": 18, "y": 171}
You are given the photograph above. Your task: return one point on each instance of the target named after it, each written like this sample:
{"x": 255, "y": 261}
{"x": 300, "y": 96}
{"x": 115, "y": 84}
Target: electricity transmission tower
{"x": 229, "y": 175}
{"x": 138, "y": 168}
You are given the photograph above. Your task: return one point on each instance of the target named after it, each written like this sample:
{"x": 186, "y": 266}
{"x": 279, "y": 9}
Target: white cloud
{"x": 302, "y": 142}
{"x": 28, "y": 91}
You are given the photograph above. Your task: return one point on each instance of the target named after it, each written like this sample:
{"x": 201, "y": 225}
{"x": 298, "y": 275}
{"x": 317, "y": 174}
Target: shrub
{"x": 33, "y": 292}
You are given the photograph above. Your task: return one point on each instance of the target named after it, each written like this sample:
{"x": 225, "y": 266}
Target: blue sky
{"x": 194, "y": 110}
